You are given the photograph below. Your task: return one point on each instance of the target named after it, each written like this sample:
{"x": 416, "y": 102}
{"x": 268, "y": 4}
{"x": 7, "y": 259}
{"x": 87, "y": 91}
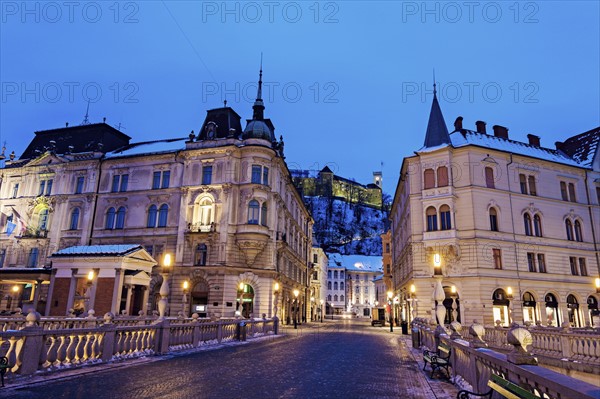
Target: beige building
{"x": 318, "y": 283}
{"x": 221, "y": 202}
{"x": 495, "y": 229}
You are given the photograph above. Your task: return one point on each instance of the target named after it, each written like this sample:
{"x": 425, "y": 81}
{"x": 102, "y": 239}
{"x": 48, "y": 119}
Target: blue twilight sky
{"x": 347, "y": 83}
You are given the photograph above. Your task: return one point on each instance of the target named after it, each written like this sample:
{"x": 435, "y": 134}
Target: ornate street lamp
{"x": 598, "y": 285}
{"x": 276, "y": 293}
{"x": 509, "y": 296}
{"x": 322, "y": 302}
{"x": 438, "y": 292}
{"x": 88, "y": 291}
{"x": 186, "y": 286}
{"x": 296, "y": 293}
{"x": 312, "y": 308}
{"x": 390, "y": 294}
{"x": 454, "y": 295}
{"x": 413, "y": 301}
{"x": 164, "y": 288}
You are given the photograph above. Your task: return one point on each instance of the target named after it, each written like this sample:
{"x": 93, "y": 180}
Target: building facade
{"x": 318, "y": 283}
{"x": 221, "y": 202}
{"x": 496, "y": 230}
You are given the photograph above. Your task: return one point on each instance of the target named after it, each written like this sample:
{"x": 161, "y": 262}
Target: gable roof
{"x": 98, "y": 250}
{"x": 584, "y": 147}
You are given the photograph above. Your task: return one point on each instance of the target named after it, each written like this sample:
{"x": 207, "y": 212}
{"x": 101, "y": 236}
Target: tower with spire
{"x": 437, "y": 132}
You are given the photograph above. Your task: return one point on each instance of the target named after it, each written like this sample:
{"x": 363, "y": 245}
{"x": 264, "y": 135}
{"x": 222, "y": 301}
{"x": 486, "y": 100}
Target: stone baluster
{"x": 477, "y": 331}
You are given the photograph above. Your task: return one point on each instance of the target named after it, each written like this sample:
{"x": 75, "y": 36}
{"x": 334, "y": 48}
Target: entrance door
{"x": 199, "y": 299}
{"x": 247, "y": 298}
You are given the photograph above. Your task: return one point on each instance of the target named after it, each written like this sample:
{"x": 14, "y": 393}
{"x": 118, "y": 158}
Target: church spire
{"x": 437, "y": 132}
{"x": 259, "y": 106}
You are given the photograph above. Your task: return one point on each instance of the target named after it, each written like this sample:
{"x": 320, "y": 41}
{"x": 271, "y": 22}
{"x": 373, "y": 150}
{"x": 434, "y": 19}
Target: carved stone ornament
{"x": 251, "y": 249}
{"x": 520, "y": 338}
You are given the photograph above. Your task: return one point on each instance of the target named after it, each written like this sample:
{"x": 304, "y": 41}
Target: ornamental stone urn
{"x": 520, "y": 338}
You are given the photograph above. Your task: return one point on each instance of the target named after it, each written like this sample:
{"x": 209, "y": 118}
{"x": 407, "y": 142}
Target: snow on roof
{"x": 98, "y": 250}
{"x": 469, "y": 137}
{"x": 149, "y": 147}
{"x": 361, "y": 263}
{"x": 582, "y": 147}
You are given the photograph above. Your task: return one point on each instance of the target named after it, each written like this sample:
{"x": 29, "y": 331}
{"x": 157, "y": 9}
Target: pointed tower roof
{"x": 437, "y": 132}
{"x": 258, "y": 127}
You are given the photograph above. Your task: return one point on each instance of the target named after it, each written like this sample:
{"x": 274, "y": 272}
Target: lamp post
{"x": 296, "y": 293}
{"x": 164, "y": 288}
{"x": 186, "y": 286}
{"x": 312, "y": 308}
{"x": 276, "y": 293}
{"x": 390, "y": 294}
{"x": 242, "y": 287}
{"x": 598, "y": 285}
{"x": 321, "y": 301}
{"x": 438, "y": 292}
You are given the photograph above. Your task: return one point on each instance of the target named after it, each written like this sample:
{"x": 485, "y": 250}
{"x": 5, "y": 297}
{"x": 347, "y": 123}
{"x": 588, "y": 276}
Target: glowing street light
{"x": 390, "y": 294}
{"x": 164, "y": 288}
{"x": 296, "y": 293}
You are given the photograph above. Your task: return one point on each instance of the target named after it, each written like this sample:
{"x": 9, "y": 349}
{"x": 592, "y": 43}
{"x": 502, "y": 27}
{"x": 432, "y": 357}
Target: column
{"x": 36, "y": 294}
{"x": 116, "y": 300}
{"x": 129, "y": 288}
{"x": 72, "y": 288}
{"x": 145, "y": 301}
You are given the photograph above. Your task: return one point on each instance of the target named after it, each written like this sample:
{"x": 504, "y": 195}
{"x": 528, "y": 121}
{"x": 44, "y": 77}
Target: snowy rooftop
{"x": 98, "y": 250}
{"x": 583, "y": 147}
{"x": 149, "y": 147}
{"x": 470, "y": 137}
{"x": 357, "y": 263}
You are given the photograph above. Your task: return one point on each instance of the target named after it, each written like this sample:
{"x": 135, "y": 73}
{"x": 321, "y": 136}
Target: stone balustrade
{"x": 33, "y": 344}
{"x": 473, "y": 361}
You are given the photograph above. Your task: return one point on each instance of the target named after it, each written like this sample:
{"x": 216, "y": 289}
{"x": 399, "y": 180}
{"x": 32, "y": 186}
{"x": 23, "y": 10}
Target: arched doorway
{"x": 529, "y": 308}
{"x": 573, "y": 311}
{"x": 500, "y": 307}
{"x": 593, "y": 308}
{"x": 199, "y": 298}
{"x": 246, "y": 298}
{"x": 552, "y": 316}
{"x": 452, "y": 305}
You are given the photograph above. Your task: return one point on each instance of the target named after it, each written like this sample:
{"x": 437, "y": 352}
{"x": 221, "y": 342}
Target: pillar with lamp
{"x": 240, "y": 312}
{"x": 276, "y": 298}
{"x": 312, "y": 308}
{"x": 412, "y": 302}
{"x": 438, "y": 292}
{"x": 322, "y": 302}
{"x": 296, "y": 293}
{"x": 88, "y": 303}
{"x": 15, "y": 298}
{"x": 186, "y": 286}
{"x": 164, "y": 288}
{"x": 390, "y": 294}
{"x": 509, "y": 297}
{"x": 454, "y": 296}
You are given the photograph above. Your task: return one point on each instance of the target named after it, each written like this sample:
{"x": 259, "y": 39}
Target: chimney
{"x": 458, "y": 123}
{"x": 500, "y": 131}
{"x": 480, "y": 127}
{"x": 534, "y": 140}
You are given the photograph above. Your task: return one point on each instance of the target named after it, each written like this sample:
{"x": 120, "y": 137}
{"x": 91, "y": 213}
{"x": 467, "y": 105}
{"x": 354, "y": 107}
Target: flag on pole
{"x": 10, "y": 227}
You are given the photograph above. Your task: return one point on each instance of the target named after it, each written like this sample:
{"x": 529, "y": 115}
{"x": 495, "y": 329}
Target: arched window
{"x": 527, "y": 223}
{"x": 442, "y": 176}
{"x": 203, "y": 212}
{"x": 110, "y": 219}
{"x": 120, "y": 222}
{"x": 341, "y": 298}
{"x": 569, "y": 228}
{"x": 329, "y": 285}
{"x": 445, "y": 217}
{"x": 342, "y": 285}
{"x": 43, "y": 219}
{"x": 335, "y": 298}
{"x": 431, "y": 219}
{"x": 493, "y": 219}
{"x": 429, "y": 176}
{"x": 335, "y": 286}
{"x": 253, "y": 212}
{"x": 263, "y": 214}
{"x": 74, "y": 219}
{"x": 201, "y": 252}
{"x": 335, "y": 274}
{"x": 537, "y": 225}
{"x": 489, "y": 177}
{"x": 163, "y": 214}
{"x": 578, "y": 235}
{"x": 151, "y": 222}
{"x": 329, "y": 297}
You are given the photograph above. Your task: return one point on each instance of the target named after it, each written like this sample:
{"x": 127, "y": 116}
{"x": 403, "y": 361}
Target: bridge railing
{"x": 474, "y": 361}
{"x": 31, "y": 348}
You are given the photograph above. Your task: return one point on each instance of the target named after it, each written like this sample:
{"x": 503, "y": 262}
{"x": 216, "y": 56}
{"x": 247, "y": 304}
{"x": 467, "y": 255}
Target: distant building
{"x": 336, "y": 285}
{"x": 318, "y": 283}
{"x": 221, "y": 202}
{"x": 326, "y": 184}
{"x": 496, "y": 230}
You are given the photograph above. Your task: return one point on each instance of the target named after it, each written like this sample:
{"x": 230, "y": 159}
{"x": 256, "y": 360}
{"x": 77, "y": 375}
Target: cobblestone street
{"x": 341, "y": 359}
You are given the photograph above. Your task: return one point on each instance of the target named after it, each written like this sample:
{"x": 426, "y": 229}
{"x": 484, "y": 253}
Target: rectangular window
{"x": 42, "y": 187}
{"x": 33, "y": 257}
{"x": 2, "y": 256}
{"x": 563, "y": 191}
{"x": 206, "y": 174}
{"x": 598, "y": 194}
{"x": 79, "y": 185}
{"x": 315, "y": 258}
{"x": 497, "y": 258}
{"x": 265, "y": 176}
{"x": 541, "y": 263}
{"x": 15, "y": 190}
{"x": 523, "y": 183}
{"x": 49, "y": 187}
{"x": 582, "y": 267}
{"x": 256, "y": 174}
{"x": 572, "y": 193}
{"x": 387, "y": 248}
{"x": 115, "y": 183}
{"x": 489, "y": 177}
{"x": 532, "y": 188}
{"x": 124, "y": 181}
{"x": 166, "y": 179}
{"x": 156, "y": 181}
{"x": 431, "y": 222}
{"x": 531, "y": 262}
{"x": 573, "y": 263}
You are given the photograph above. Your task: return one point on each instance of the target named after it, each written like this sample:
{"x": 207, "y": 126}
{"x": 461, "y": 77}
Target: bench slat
{"x": 509, "y": 389}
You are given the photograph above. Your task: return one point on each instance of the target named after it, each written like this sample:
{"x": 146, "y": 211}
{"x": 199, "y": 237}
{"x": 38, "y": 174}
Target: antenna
{"x": 119, "y": 127}
{"x": 86, "y": 120}
{"x": 434, "y": 90}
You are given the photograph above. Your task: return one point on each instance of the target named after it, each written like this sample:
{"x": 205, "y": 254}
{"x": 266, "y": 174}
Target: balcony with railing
{"x": 201, "y": 228}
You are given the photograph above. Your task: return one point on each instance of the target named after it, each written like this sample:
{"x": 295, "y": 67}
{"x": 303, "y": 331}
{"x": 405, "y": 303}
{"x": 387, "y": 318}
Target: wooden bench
{"x": 3, "y": 367}
{"x": 438, "y": 360}
{"x": 498, "y": 384}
